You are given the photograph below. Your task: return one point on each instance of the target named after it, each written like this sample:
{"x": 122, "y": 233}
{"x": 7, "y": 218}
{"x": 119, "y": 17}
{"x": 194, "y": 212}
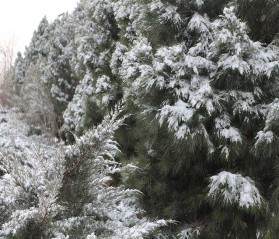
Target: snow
{"x": 210, "y": 78}
{"x": 103, "y": 84}
{"x": 234, "y": 62}
{"x": 15, "y": 132}
{"x": 34, "y": 176}
{"x": 199, "y": 23}
{"x": 235, "y": 189}
{"x": 180, "y": 112}
{"x": 117, "y": 57}
{"x": 266, "y": 137}
{"x": 225, "y": 130}
{"x": 58, "y": 93}
{"x": 171, "y": 69}
{"x": 28, "y": 163}
{"x": 170, "y": 14}
{"x": 273, "y": 113}
{"x": 189, "y": 233}
{"x": 74, "y": 114}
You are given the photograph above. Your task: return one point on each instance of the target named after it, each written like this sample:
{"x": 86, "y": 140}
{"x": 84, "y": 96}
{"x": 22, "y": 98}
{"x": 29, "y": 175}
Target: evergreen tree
{"x": 99, "y": 90}
{"x": 59, "y": 65}
{"x": 19, "y": 70}
{"x": 37, "y": 46}
{"x": 209, "y": 100}
{"x": 169, "y": 80}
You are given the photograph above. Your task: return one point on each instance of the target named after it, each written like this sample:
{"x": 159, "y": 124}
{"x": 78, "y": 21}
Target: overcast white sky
{"x": 19, "y": 18}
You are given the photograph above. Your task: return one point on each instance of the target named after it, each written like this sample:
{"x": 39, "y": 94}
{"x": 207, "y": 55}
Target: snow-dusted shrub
{"x": 70, "y": 191}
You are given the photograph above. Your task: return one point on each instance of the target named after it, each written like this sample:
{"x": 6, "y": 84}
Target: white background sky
{"x": 20, "y": 18}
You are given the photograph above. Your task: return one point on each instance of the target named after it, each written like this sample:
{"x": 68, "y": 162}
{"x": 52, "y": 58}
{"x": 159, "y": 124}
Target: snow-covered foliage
{"x": 59, "y": 69}
{"x": 130, "y": 15}
{"x": 53, "y": 49}
{"x": 247, "y": 61}
{"x": 74, "y": 114}
{"x": 204, "y": 97}
{"x": 40, "y": 187}
{"x": 32, "y": 174}
{"x": 185, "y": 232}
{"x": 39, "y": 43}
{"x": 235, "y": 189}
{"x": 189, "y": 233}
{"x": 202, "y": 25}
{"x": 175, "y": 71}
{"x": 239, "y": 62}
{"x": 242, "y": 55}
{"x": 20, "y": 68}
{"x": 224, "y": 130}
{"x": 96, "y": 40}
{"x": 268, "y": 138}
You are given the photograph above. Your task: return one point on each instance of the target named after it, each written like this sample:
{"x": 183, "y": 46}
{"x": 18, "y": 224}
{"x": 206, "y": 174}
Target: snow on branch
{"x": 235, "y": 189}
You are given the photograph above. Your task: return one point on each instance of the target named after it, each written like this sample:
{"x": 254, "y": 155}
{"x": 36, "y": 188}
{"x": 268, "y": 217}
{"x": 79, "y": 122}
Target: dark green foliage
{"x": 174, "y": 173}
{"x": 262, "y": 18}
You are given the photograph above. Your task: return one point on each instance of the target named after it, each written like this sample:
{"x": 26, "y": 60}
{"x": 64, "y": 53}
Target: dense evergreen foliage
{"x": 199, "y": 81}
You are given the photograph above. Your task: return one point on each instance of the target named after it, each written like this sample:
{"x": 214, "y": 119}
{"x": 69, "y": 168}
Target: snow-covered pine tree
{"x": 169, "y": 79}
{"x": 99, "y": 89}
{"x": 209, "y": 101}
{"x": 37, "y": 46}
{"x": 243, "y": 84}
{"x": 32, "y": 55}
{"x": 19, "y": 71}
{"x": 266, "y": 152}
{"x": 203, "y": 97}
{"x": 60, "y": 67}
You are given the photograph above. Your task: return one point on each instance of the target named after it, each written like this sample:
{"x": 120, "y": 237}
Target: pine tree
{"x": 170, "y": 88}
{"x": 60, "y": 67}
{"x": 99, "y": 90}
{"x": 36, "y": 48}
{"x": 203, "y": 102}
{"x": 19, "y": 71}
